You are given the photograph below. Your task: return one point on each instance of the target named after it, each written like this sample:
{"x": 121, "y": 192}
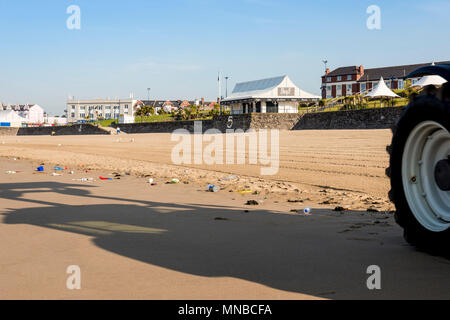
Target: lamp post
{"x": 148, "y": 96}
{"x": 226, "y": 86}
{"x": 325, "y": 62}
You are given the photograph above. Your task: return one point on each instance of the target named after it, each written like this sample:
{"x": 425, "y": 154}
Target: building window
{"x": 389, "y": 84}
{"x": 339, "y": 78}
{"x": 349, "y": 77}
{"x": 329, "y": 79}
{"x": 72, "y": 115}
{"x": 401, "y": 84}
{"x": 363, "y": 87}
{"x": 339, "y": 91}
{"x": 349, "y": 89}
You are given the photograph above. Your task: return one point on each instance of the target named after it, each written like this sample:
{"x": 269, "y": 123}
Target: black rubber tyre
{"x": 422, "y": 109}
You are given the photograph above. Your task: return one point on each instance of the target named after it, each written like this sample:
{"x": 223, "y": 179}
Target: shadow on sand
{"x": 311, "y": 255}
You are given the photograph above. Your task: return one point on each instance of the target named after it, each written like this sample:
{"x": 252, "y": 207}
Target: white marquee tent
{"x": 430, "y": 80}
{"x": 9, "y": 118}
{"x": 381, "y": 90}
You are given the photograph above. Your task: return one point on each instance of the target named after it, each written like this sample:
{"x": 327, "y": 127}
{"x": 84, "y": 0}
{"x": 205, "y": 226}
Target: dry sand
{"x": 136, "y": 241}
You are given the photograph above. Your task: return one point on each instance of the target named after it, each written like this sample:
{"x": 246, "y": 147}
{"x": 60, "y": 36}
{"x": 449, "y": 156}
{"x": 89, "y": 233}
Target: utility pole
{"x": 220, "y": 94}
{"x": 148, "y": 95}
{"x": 325, "y": 62}
{"x": 226, "y": 86}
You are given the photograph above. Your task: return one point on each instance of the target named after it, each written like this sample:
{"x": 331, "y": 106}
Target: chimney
{"x": 203, "y": 101}
{"x": 361, "y": 70}
{"x": 327, "y": 72}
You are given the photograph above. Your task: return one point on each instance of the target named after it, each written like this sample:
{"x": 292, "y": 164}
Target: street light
{"x": 148, "y": 96}
{"x": 226, "y": 86}
{"x": 325, "y": 62}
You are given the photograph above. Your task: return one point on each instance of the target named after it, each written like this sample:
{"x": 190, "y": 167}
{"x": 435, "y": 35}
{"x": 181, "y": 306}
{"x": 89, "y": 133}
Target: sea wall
{"x": 79, "y": 129}
{"x": 381, "y": 118}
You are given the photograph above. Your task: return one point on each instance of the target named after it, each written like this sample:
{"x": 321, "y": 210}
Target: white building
{"x": 32, "y": 113}
{"x": 100, "y": 109}
{"x": 272, "y": 95}
{"x": 10, "y": 118}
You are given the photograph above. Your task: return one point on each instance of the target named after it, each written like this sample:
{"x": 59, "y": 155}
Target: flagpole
{"x": 220, "y": 95}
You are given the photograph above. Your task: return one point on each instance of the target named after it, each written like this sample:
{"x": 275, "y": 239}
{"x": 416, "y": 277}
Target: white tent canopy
{"x": 430, "y": 80}
{"x": 381, "y": 90}
{"x": 10, "y": 116}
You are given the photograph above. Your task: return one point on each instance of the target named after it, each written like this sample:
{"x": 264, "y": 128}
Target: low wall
{"x": 383, "y": 118}
{"x": 161, "y": 127}
{"x": 380, "y": 118}
{"x": 79, "y": 129}
{"x": 4, "y": 131}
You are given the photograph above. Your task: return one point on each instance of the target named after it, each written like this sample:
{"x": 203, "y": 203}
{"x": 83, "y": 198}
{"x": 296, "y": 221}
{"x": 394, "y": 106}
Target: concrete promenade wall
{"x": 79, "y": 129}
{"x": 383, "y": 118}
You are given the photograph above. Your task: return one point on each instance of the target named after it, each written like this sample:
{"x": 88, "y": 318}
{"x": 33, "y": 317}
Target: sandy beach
{"x": 133, "y": 240}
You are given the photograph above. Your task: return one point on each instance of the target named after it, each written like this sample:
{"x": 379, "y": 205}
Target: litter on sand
{"x": 307, "y": 211}
{"x": 103, "y": 178}
{"x": 84, "y": 179}
{"x": 245, "y": 191}
{"x": 212, "y": 188}
{"x": 13, "y": 172}
{"x": 40, "y": 169}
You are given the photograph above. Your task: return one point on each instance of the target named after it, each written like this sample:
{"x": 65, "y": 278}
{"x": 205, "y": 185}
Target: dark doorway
{"x": 271, "y": 107}
{"x": 258, "y": 107}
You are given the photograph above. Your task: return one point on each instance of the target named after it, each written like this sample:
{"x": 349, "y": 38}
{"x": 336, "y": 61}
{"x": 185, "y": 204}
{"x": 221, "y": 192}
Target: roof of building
{"x": 395, "y": 72}
{"x": 258, "y": 85}
{"x": 343, "y": 71}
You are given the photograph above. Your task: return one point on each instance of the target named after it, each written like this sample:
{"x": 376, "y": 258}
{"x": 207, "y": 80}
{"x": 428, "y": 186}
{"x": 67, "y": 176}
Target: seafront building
{"x": 347, "y": 81}
{"x": 80, "y": 110}
{"x": 272, "y": 95}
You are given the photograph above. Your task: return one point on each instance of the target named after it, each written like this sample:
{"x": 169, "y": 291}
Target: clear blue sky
{"x": 176, "y": 47}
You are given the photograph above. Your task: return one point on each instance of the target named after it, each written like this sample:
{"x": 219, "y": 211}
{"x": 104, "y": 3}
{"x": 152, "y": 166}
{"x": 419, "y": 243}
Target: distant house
{"x": 185, "y": 104}
{"x": 347, "y": 81}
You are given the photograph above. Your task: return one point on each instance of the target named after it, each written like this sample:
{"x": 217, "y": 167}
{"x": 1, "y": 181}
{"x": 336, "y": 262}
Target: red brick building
{"x": 347, "y": 81}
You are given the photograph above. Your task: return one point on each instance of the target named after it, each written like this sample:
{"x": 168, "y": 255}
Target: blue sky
{"x": 176, "y": 47}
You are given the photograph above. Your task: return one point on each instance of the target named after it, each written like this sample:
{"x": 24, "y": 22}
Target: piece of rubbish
{"x": 150, "y": 180}
{"x": 56, "y": 174}
{"x": 40, "y": 169}
{"x": 252, "y": 203}
{"x": 307, "y": 211}
{"x": 245, "y": 191}
{"x": 58, "y": 168}
{"x": 11, "y": 172}
{"x": 174, "y": 181}
{"x": 103, "y": 178}
{"x": 71, "y": 172}
{"x": 84, "y": 179}
{"x": 212, "y": 188}
{"x": 233, "y": 177}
